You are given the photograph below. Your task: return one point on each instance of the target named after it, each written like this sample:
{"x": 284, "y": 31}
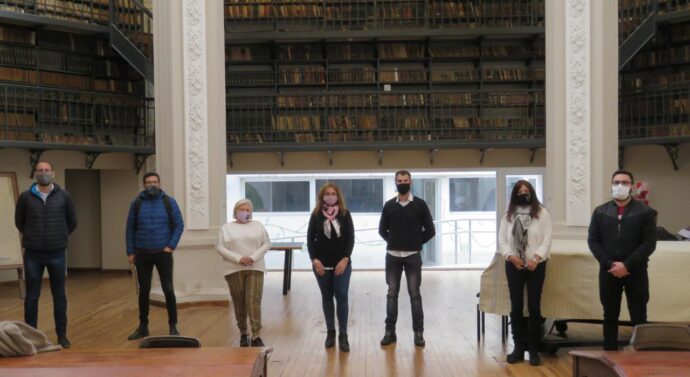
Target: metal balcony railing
{"x": 56, "y": 116}
{"x": 655, "y": 113}
{"x": 350, "y": 15}
{"x": 423, "y": 118}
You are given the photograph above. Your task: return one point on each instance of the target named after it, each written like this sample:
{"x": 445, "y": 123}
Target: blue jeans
{"x": 34, "y": 264}
{"x": 412, "y": 265}
{"x": 337, "y": 286}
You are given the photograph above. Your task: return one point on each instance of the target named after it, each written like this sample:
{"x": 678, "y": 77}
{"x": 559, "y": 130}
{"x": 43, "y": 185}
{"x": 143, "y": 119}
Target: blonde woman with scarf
{"x": 330, "y": 239}
{"x": 524, "y": 241}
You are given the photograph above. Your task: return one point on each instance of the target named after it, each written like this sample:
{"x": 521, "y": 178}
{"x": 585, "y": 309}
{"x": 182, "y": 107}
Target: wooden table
{"x": 287, "y": 247}
{"x": 631, "y": 364}
{"x": 183, "y": 362}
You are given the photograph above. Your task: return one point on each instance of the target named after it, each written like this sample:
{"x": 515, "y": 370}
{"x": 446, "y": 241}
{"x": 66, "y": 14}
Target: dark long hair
{"x": 534, "y": 206}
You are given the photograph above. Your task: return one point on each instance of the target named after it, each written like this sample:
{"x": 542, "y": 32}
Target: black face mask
{"x": 403, "y": 188}
{"x": 524, "y": 199}
{"x": 153, "y": 190}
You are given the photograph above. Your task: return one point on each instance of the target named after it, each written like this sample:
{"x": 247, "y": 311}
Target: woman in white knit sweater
{"x": 242, "y": 244}
{"x": 524, "y": 241}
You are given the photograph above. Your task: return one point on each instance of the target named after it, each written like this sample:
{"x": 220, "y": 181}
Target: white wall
{"x": 17, "y": 161}
{"x": 118, "y": 189}
{"x": 668, "y": 188}
{"x": 84, "y": 249}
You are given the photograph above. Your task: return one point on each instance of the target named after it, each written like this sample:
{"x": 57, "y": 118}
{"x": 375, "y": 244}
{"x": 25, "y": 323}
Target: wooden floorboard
{"x": 102, "y": 311}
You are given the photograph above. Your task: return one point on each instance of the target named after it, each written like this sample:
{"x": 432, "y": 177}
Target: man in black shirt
{"x": 405, "y": 225}
{"x": 622, "y": 237}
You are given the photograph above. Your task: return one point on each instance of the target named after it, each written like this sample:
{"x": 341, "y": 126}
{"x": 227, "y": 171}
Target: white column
{"x": 189, "y": 65}
{"x": 581, "y": 109}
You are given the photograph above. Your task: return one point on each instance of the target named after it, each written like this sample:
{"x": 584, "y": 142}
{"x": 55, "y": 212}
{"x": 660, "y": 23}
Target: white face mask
{"x": 620, "y": 192}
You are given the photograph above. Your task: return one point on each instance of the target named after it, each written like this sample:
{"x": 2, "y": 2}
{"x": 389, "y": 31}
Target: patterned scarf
{"x": 331, "y": 214}
{"x": 521, "y": 221}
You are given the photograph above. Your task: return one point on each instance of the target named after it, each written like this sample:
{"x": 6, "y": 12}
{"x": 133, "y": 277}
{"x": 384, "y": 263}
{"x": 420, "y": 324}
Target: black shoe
{"x": 534, "y": 358}
{"x": 244, "y": 340}
{"x": 344, "y": 344}
{"x": 516, "y": 356}
{"x": 330, "y": 339}
{"x": 64, "y": 342}
{"x": 388, "y": 338}
{"x": 140, "y": 332}
{"x": 257, "y": 342}
{"x": 419, "y": 339}
{"x": 173, "y": 330}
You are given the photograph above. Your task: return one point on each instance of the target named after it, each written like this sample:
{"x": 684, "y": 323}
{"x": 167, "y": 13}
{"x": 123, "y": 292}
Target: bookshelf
{"x": 420, "y": 91}
{"x": 654, "y": 100}
{"x": 370, "y": 15}
{"x": 71, "y": 90}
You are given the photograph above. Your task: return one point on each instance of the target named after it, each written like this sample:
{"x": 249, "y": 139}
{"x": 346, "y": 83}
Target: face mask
{"x": 153, "y": 190}
{"x": 330, "y": 199}
{"x": 44, "y": 179}
{"x": 620, "y": 192}
{"x": 403, "y": 188}
{"x": 243, "y": 216}
{"x": 523, "y": 199}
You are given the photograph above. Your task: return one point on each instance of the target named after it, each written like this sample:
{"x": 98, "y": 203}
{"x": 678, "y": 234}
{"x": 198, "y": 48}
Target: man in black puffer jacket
{"x": 45, "y": 216}
{"x": 622, "y": 236}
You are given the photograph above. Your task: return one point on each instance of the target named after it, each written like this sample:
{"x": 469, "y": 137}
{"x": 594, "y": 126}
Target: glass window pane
{"x": 290, "y": 196}
{"x": 473, "y": 194}
{"x": 278, "y": 196}
{"x": 260, "y": 195}
{"x": 361, "y": 195}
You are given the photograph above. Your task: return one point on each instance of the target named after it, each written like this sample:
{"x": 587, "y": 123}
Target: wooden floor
{"x": 102, "y": 311}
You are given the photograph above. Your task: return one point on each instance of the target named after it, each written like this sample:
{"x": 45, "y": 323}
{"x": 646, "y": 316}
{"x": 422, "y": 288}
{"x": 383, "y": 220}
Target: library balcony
{"x": 39, "y": 118}
{"x": 262, "y": 20}
{"x": 654, "y": 99}
{"x": 376, "y": 120}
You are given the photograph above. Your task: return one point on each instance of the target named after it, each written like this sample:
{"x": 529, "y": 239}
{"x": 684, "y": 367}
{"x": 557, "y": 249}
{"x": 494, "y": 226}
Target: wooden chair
{"x": 169, "y": 341}
{"x": 660, "y": 336}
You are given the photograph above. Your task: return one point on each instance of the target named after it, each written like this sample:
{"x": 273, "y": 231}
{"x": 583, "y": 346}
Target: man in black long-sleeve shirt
{"x": 405, "y": 225}
{"x": 622, "y": 236}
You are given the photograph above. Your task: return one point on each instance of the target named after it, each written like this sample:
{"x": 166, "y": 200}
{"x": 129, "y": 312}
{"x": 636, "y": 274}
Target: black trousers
{"x": 412, "y": 265}
{"x": 164, "y": 264}
{"x": 636, "y": 286}
{"x": 517, "y": 280}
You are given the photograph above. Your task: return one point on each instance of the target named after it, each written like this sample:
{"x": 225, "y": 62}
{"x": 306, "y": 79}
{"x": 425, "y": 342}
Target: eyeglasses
{"x": 624, "y": 183}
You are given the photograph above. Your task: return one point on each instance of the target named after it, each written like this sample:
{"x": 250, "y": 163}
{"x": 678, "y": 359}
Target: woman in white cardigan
{"x": 242, "y": 244}
{"x": 524, "y": 241}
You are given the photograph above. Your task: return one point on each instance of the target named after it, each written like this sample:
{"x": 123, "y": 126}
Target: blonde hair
{"x": 240, "y": 203}
{"x": 319, "y": 198}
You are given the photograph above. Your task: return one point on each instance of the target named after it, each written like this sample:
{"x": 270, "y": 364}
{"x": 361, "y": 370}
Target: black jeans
{"x": 611, "y": 288}
{"x": 34, "y": 264}
{"x": 412, "y": 265}
{"x": 534, "y": 280}
{"x": 338, "y": 287}
{"x": 164, "y": 264}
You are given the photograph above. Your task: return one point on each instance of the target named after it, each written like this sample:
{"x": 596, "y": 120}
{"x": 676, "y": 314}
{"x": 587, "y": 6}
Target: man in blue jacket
{"x": 45, "y": 216}
{"x": 154, "y": 227}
